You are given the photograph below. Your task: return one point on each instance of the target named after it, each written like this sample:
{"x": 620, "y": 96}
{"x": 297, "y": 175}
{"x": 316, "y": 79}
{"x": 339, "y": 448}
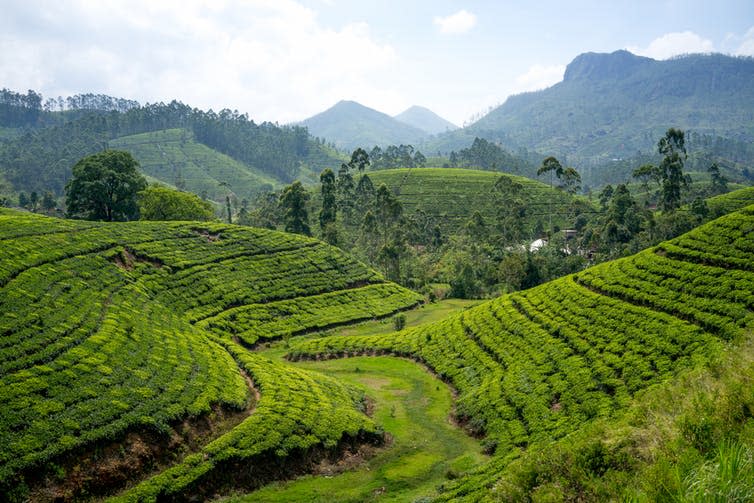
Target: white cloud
{"x": 539, "y": 77}
{"x": 270, "y": 58}
{"x": 674, "y": 44}
{"x": 746, "y": 48}
{"x": 460, "y": 22}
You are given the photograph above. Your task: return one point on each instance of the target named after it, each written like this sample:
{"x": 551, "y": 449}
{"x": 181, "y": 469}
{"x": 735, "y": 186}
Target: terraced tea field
{"x": 452, "y": 195}
{"x": 172, "y": 154}
{"x": 536, "y": 365}
{"x": 103, "y": 334}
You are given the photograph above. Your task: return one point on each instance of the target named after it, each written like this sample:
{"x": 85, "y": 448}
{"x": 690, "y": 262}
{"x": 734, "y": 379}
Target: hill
{"x": 40, "y": 158}
{"x": 126, "y": 340}
{"x": 540, "y": 364}
{"x": 349, "y": 125}
{"x": 450, "y": 196}
{"x": 426, "y": 120}
{"x": 172, "y": 156}
{"x": 609, "y": 106}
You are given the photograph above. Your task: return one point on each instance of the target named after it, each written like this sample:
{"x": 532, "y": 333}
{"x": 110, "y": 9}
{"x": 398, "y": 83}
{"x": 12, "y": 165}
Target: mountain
{"x": 349, "y": 125}
{"x": 426, "y": 120}
{"x": 609, "y": 106}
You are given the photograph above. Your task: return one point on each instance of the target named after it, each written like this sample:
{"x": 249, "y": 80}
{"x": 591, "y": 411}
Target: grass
{"x": 414, "y": 407}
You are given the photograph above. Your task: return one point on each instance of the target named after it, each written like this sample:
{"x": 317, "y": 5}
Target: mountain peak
{"x": 425, "y": 119}
{"x": 604, "y": 66}
{"x": 349, "y": 124}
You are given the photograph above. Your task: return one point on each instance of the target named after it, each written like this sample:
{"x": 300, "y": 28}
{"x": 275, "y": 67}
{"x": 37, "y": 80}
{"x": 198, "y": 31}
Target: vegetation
{"x": 41, "y": 157}
{"x": 537, "y": 365}
{"x": 162, "y": 203}
{"x": 609, "y": 106}
{"x": 103, "y": 332}
{"x": 104, "y": 186}
{"x": 175, "y": 158}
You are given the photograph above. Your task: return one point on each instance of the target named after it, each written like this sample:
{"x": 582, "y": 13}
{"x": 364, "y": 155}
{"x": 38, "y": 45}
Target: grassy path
{"x": 413, "y": 406}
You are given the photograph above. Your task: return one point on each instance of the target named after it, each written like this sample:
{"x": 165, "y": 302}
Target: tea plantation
{"x": 452, "y": 195}
{"x": 537, "y": 365}
{"x": 174, "y": 157}
{"x": 112, "y": 328}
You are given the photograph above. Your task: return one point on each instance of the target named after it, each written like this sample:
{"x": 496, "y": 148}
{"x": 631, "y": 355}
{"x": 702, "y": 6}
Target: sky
{"x": 285, "y": 60}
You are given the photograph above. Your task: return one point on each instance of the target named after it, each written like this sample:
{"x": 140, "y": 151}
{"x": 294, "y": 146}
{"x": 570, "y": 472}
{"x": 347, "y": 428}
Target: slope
{"x": 349, "y": 125}
{"x": 609, "y": 106}
{"x": 172, "y": 156}
{"x": 450, "y": 196}
{"x": 101, "y": 337}
{"x": 536, "y": 365}
{"x": 425, "y": 119}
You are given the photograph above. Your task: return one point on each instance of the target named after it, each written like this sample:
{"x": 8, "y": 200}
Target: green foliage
{"x": 175, "y": 157}
{"x": 293, "y": 200}
{"x": 488, "y": 156}
{"x": 162, "y": 203}
{"x": 104, "y": 186}
{"x": 110, "y": 328}
{"x": 540, "y": 364}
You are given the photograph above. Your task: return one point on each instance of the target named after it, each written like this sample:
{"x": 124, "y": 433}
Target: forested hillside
{"x": 534, "y": 366}
{"x": 130, "y": 335}
{"x": 39, "y": 156}
{"x": 174, "y": 157}
{"x": 611, "y": 106}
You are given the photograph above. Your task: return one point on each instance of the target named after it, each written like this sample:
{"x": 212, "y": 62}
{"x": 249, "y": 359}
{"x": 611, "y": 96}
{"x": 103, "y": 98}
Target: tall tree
{"x": 673, "y": 147}
{"x": 104, "y": 186}
{"x": 329, "y": 209}
{"x": 293, "y": 200}
{"x": 359, "y": 160}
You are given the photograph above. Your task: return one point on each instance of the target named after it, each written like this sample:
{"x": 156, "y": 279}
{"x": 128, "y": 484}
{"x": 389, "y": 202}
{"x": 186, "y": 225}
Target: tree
{"x": 329, "y": 209}
{"x": 719, "y": 182}
{"x": 359, "y": 160}
{"x": 571, "y": 181}
{"x": 673, "y": 147}
{"x": 23, "y": 200}
{"x": 48, "y": 201}
{"x": 104, "y": 186}
{"x": 161, "y": 203}
{"x": 33, "y": 201}
{"x": 551, "y": 165}
{"x": 345, "y": 187}
{"x": 293, "y": 200}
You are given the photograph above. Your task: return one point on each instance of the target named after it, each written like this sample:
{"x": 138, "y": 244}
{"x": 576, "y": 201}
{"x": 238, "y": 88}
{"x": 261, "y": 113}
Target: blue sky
{"x": 284, "y": 60}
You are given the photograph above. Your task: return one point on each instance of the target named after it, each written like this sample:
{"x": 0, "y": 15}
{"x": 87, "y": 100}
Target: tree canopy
{"x": 104, "y": 186}
{"x": 157, "y": 202}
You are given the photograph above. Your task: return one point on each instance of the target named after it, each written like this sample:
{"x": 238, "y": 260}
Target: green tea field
{"x": 103, "y": 337}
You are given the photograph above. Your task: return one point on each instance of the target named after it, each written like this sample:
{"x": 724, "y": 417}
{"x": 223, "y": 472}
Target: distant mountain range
{"x": 349, "y": 125}
{"x": 609, "y": 106}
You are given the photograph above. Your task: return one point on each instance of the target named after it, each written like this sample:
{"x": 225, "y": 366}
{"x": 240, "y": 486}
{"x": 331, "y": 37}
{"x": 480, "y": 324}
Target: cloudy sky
{"x": 285, "y": 60}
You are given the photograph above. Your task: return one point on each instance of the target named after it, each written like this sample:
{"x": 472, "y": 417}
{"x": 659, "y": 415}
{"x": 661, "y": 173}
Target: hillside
{"x": 537, "y": 365}
{"x": 172, "y": 156}
{"x": 450, "y": 196}
{"x": 349, "y": 125}
{"x": 609, "y": 106}
{"x": 426, "y": 120}
{"x": 40, "y": 158}
{"x": 127, "y": 340}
